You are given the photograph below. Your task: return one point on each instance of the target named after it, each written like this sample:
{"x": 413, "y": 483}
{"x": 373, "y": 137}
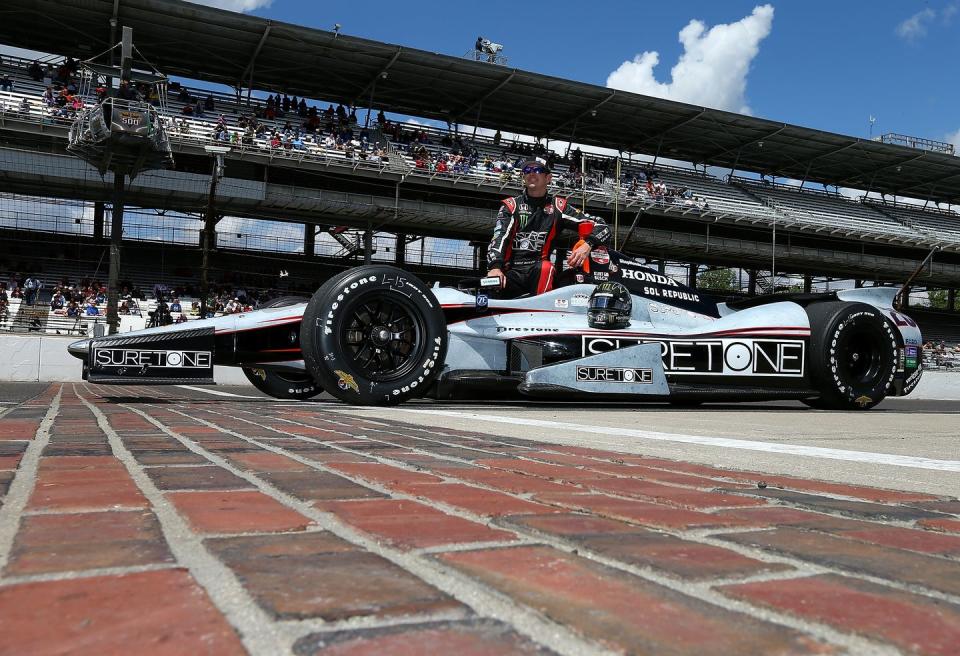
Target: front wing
{"x": 175, "y": 357}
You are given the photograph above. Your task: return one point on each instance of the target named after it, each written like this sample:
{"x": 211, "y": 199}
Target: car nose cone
{"x": 80, "y": 349}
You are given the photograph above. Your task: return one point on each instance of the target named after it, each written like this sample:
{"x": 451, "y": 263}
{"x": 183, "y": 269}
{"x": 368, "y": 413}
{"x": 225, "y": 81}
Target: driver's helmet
{"x": 610, "y": 306}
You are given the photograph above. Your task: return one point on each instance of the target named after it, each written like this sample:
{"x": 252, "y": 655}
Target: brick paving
{"x": 146, "y": 521}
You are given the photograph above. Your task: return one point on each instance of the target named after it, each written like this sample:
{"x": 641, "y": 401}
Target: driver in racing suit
{"x": 519, "y": 253}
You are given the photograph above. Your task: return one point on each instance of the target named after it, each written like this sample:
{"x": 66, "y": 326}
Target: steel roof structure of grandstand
{"x": 238, "y": 50}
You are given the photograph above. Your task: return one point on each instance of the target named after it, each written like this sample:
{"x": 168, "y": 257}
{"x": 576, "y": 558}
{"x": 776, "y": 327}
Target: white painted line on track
{"x": 219, "y": 393}
{"x": 705, "y": 440}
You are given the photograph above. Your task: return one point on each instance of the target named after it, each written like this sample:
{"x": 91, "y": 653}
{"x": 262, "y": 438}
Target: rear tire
{"x": 282, "y": 385}
{"x": 374, "y": 335}
{"x": 853, "y": 355}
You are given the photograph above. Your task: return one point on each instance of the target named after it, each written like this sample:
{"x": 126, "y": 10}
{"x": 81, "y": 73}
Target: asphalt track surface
{"x": 215, "y": 520}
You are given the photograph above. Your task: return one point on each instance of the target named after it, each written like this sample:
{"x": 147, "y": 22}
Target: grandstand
{"x": 421, "y": 191}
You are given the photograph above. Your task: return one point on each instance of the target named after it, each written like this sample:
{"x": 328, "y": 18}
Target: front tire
{"x": 374, "y": 335}
{"x": 853, "y": 355}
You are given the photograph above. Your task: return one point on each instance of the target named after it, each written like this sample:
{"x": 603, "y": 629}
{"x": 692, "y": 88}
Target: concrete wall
{"x": 45, "y": 358}
{"x": 938, "y": 385}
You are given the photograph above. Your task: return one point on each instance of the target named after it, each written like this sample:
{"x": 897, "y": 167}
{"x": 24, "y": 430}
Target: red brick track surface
{"x": 155, "y": 524}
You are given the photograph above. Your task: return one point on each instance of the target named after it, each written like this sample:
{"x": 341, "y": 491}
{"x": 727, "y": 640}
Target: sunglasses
{"x": 534, "y": 169}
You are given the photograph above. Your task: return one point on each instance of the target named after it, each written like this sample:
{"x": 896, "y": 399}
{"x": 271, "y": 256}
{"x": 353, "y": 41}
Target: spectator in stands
{"x": 73, "y": 310}
{"x": 32, "y": 286}
{"x": 6, "y": 84}
{"x": 91, "y": 309}
{"x": 126, "y": 91}
{"x": 4, "y": 300}
{"x": 208, "y": 103}
{"x": 24, "y": 106}
{"x": 175, "y": 306}
{"x": 57, "y": 302}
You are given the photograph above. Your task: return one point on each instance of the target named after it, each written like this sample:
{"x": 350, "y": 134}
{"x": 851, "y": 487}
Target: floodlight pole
{"x": 116, "y": 239}
{"x": 209, "y": 234}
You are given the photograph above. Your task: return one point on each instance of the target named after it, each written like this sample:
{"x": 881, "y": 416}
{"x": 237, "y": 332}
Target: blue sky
{"x": 827, "y": 65}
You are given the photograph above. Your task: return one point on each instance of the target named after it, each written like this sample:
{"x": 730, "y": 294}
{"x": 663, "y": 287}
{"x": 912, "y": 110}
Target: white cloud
{"x": 712, "y": 71}
{"x": 234, "y": 5}
{"x": 915, "y": 27}
{"x": 954, "y": 138}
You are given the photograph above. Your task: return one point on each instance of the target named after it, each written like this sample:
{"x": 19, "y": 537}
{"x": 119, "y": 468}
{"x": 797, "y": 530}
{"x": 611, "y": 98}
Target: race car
{"x": 377, "y": 335}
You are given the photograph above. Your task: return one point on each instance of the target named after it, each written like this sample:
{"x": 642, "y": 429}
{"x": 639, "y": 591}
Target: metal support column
{"x": 692, "y": 275}
{"x": 400, "y": 257}
{"x": 951, "y": 299}
{"x": 368, "y": 244}
{"x": 480, "y": 257}
{"x": 98, "y": 220}
{"x": 116, "y": 242}
{"x": 209, "y": 234}
{"x": 752, "y": 282}
{"x": 309, "y": 240}
{"x": 807, "y": 284}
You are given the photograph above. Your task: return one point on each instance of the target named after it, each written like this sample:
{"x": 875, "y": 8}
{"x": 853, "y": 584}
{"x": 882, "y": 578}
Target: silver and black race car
{"x": 376, "y": 335}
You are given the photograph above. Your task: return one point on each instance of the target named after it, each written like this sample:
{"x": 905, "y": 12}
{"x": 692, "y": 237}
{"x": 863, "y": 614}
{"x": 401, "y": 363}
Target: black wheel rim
{"x": 860, "y": 356}
{"x": 383, "y": 337}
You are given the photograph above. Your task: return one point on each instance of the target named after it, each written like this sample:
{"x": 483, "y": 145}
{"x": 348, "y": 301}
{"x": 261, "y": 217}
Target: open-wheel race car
{"x": 377, "y": 335}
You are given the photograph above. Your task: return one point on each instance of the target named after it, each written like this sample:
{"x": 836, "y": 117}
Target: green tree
{"x": 718, "y": 279}
{"x": 938, "y": 299}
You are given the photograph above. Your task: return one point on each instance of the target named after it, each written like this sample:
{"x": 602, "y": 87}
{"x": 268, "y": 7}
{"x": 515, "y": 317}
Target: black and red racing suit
{"x": 523, "y": 238}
